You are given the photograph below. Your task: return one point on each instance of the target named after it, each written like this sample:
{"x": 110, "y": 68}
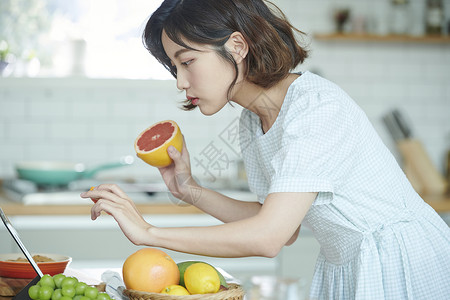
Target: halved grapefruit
{"x": 151, "y": 145}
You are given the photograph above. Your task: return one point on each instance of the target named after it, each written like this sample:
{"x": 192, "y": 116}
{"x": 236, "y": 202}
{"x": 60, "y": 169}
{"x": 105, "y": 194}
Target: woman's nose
{"x": 182, "y": 82}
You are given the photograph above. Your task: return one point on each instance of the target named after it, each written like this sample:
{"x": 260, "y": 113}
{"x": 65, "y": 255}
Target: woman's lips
{"x": 193, "y": 100}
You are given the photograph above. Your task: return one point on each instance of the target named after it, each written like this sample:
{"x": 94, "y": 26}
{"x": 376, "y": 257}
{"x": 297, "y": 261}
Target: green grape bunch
{"x": 61, "y": 287}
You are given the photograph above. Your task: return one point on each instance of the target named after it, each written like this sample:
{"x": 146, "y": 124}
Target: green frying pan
{"x": 54, "y": 173}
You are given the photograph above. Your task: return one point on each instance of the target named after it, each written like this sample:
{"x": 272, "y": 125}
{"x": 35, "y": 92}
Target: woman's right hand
{"x": 112, "y": 200}
{"x": 178, "y": 177}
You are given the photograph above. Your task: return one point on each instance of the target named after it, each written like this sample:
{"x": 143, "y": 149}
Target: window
{"x": 93, "y": 38}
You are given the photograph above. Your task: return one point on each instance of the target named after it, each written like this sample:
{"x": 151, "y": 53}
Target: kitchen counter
{"x": 39, "y": 224}
{"x": 14, "y": 209}
{"x": 440, "y": 203}
{"x": 157, "y": 204}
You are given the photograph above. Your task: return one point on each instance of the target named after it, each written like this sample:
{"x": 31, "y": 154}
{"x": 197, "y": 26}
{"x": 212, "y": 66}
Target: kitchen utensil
{"x": 23, "y": 294}
{"x": 417, "y": 165}
{"x": 397, "y": 125}
{"x": 402, "y": 124}
{"x": 393, "y": 127}
{"x": 54, "y": 173}
{"x": 16, "y": 238}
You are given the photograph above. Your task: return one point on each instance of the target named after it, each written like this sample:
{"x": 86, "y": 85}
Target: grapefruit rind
{"x": 158, "y": 157}
{"x": 149, "y": 270}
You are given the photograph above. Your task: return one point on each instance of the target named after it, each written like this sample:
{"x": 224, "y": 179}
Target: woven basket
{"x": 234, "y": 292}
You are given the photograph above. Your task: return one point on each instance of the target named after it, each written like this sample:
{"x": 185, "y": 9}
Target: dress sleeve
{"x": 318, "y": 147}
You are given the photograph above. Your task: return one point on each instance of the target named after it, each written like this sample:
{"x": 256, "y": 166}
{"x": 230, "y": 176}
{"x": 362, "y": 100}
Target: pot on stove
{"x": 58, "y": 173}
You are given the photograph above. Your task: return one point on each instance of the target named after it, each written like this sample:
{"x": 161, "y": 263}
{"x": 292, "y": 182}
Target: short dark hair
{"x": 273, "y": 48}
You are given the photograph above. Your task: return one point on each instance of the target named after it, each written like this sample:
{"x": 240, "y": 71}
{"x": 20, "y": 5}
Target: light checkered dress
{"x": 379, "y": 239}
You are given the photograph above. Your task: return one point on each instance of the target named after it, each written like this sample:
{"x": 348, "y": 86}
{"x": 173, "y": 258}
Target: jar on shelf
{"x": 400, "y": 17}
{"x": 434, "y": 17}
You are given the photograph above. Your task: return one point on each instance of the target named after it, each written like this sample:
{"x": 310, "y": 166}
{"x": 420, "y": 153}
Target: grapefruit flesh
{"x": 151, "y": 145}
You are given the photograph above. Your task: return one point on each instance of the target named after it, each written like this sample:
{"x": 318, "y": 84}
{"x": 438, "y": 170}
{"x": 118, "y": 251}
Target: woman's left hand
{"x": 178, "y": 176}
{"x": 114, "y": 201}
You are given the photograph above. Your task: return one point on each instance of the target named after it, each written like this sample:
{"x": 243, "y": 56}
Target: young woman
{"x": 311, "y": 157}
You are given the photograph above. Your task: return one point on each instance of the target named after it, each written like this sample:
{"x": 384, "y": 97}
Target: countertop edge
{"x": 440, "y": 203}
{"x": 17, "y": 209}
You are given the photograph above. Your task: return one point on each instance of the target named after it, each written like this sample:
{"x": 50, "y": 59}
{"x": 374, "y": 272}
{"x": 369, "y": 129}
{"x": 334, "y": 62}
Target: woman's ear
{"x": 237, "y": 46}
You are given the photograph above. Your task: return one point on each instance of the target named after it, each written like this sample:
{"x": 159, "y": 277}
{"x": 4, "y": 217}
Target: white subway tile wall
{"x": 96, "y": 120}
{"x": 412, "y": 77}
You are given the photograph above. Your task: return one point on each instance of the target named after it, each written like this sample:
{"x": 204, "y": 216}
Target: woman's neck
{"x": 266, "y": 103}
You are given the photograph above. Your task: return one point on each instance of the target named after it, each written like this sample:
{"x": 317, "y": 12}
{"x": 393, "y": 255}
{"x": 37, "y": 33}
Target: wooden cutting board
{"x": 9, "y": 287}
{"x": 418, "y": 167}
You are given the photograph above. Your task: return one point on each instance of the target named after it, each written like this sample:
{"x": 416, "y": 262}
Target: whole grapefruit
{"x": 150, "y": 270}
{"x": 151, "y": 144}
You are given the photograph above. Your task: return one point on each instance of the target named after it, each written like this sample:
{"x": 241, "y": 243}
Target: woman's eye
{"x": 187, "y": 63}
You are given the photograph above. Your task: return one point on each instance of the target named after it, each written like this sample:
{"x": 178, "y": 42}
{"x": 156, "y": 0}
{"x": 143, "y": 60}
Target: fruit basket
{"x": 234, "y": 292}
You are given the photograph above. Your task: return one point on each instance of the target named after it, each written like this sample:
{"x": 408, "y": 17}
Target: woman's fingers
{"x": 113, "y": 188}
{"x": 174, "y": 154}
{"x": 112, "y": 204}
{"x": 108, "y": 206}
{"x": 178, "y": 176}
{"x": 96, "y": 211}
{"x": 112, "y": 200}
{"x": 106, "y": 191}
{"x": 129, "y": 219}
{"x": 181, "y": 159}
{"x": 104, "y": 194}
{"x": 184, "y": 150}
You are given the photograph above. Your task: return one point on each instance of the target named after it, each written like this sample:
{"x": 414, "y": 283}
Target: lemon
{"x": 182, "y": 266}
{"x": 175, "y": 289}
{"x": 201, "y": 278}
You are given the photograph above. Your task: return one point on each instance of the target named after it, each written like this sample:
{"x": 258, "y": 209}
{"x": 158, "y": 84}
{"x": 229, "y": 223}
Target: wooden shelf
{"x": 383, "y": 38}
